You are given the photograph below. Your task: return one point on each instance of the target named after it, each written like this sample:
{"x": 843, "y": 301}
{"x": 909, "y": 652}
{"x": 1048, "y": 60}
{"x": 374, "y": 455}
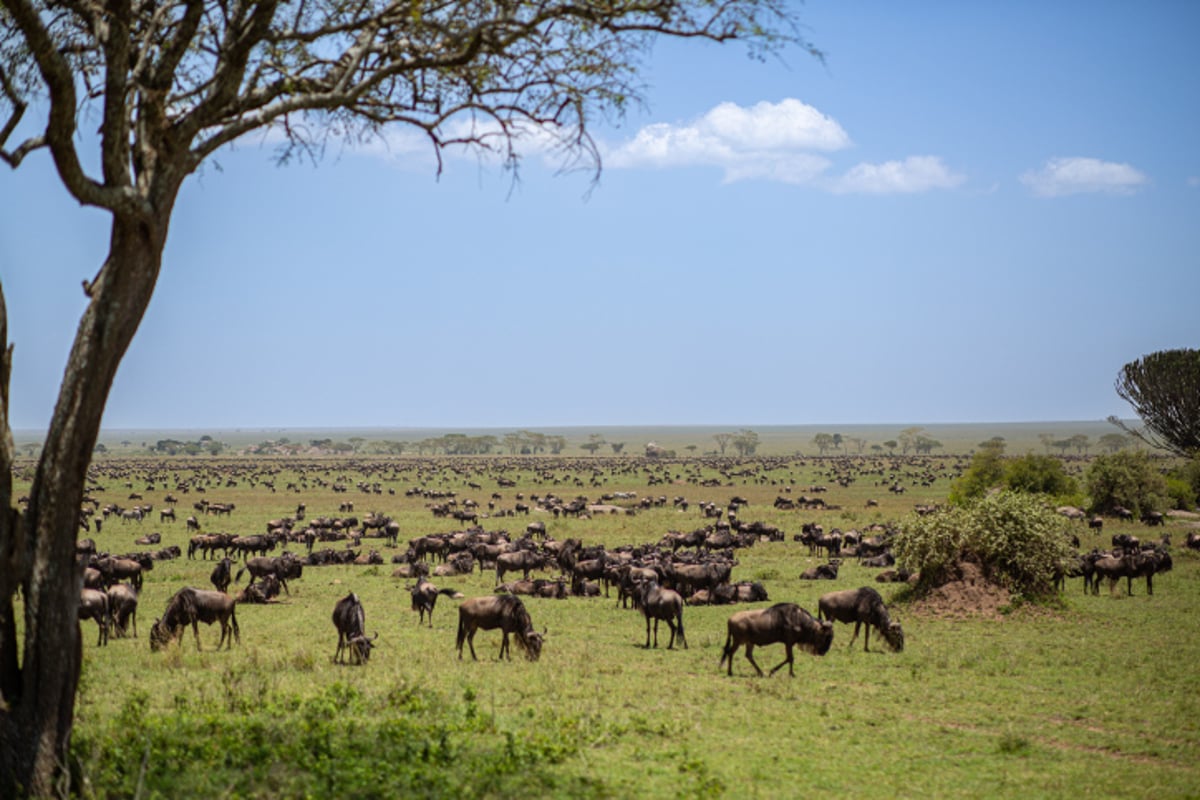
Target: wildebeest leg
{"x": 682, "y": 638}
{"x": 867, "y": 638}
{"x": 1150, "y": 584}
{"x": 789, "y": 661}
{"x": 196, "y": 633}
{"x": 727, "y": 653}
{"x": 647, "y": 632}
{"x": 750, "y": 658}
{"x": 504, "y": 646}
{"x": 855, "y": 636}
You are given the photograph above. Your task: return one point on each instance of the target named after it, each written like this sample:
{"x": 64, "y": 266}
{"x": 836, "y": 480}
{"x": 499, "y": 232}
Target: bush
{"x": 1189, "y": 473}
{"x": 1016, "y": 538}
{"x": 986, "y": 472}
{"x": 1180, "y": 494}
{"x": 1126, "y": 478}
{"x": 1036, "y": 474}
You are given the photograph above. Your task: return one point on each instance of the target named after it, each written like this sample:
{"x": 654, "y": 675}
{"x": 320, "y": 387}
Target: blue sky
{"x": 969, "y": 212}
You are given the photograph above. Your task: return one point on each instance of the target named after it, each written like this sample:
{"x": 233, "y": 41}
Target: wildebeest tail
{"x": 238, "y": 577}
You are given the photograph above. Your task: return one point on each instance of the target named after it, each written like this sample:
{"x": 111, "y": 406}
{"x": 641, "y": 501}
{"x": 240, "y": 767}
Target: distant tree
{"x": 215, "y": 448}
{"x": 891, "y": 445}
{"x": 100, "y": 448}
{"x": 1164, "y": 390}
{"x": 996, "y": 442}
{"x": 617, "y": 447}
{"x": 1081, "y": 442}
{"x": 926, "y": 444}
{"x": 858, "y": 442}
{"x": 876, "y": 449}
{"x": 691, "y": 448}
{"x": 823, "y": 441}
{"x": 556, "y": 444}
{"x": 837, "y": 441}
{"x": 357, "y": 442}
{"x": 745, "y": 442}
{"x": 595, "y": 442}
{"x": 722, "y": 440}
{"x": 1112, "y": 442}
{"x": 1063, "y": 445}
{"x": 1047, "y": 440}
{"x": 513, "y": 442}
{"x": 908, "y": 438}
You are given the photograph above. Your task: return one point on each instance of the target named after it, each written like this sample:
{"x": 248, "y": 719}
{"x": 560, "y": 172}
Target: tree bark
{"x": 38, "y": 701}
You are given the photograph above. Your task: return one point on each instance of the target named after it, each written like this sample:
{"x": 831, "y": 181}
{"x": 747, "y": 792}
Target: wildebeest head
{"x": 893, "y": 634}
{"x": 161, "y": 635}
{"x": 823, "y": 639}
{"x": 360, "y": 648}
{"x": 532, "y": 642}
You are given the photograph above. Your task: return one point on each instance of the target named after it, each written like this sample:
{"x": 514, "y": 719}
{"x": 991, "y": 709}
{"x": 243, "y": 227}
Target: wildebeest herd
{"x": 658, "y": 579}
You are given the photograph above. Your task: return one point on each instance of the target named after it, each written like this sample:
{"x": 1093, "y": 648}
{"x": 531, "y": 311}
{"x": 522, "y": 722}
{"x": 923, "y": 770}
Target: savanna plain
{"x": 1091, "y": 694}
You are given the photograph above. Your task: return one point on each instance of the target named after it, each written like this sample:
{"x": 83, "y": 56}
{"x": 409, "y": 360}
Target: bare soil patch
{"x": 967, "y": 595}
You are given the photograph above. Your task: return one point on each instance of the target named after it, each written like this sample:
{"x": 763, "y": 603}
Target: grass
{"x": 1093, "y": 692}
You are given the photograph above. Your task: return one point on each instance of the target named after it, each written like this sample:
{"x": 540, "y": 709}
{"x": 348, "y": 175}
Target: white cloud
{"x": 913, "y": 174}
{"x": 1062, "y": 176}
{"x": 767, "y": 140}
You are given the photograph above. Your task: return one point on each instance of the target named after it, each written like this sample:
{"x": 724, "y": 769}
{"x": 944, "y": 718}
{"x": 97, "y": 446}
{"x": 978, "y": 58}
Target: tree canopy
{"x": 1164, "y": 390}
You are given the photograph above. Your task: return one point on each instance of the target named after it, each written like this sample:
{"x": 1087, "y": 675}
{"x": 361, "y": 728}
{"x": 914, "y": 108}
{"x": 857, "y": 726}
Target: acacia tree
{"x": 171, "y": 83}
{"x": 1164, "y": 390}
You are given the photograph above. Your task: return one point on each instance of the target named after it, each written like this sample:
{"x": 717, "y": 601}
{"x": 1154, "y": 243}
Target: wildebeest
{"x": 783, "y": 622}
{"x": 222, "y": 574}
{"x": 122, "y": 606}
{"x": 424, "y": 598}
{"x": 93, "y": 604}
{"x": 523, "y": 560}
{"x": 822, "y": 572}
{"x": 863, "y": 606}
{"x": 349, "y": 618}
{"x": 283, "y": 567}
{"x": 505, "y": 612}
{"x": 665, "y": 604}
{"x": 193, "y": 606}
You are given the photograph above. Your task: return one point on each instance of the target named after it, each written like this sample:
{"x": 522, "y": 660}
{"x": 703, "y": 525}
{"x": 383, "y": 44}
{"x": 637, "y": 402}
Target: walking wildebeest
{"x": 193, "y": 606}
{"x": 93, "y": 604}
{"x": 863, "y": 606}
{"x": 782, "y": 622}
{"x": 282, "y": 567}
{"x": 665, "y": 604}
{"x": 349, "y": 618}
{"x": 122, "y": 605}
{"x": 505, "y": 612}
{"x": 424, "y": 598}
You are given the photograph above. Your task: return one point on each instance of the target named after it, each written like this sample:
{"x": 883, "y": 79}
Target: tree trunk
{"x": 38, "y": 697}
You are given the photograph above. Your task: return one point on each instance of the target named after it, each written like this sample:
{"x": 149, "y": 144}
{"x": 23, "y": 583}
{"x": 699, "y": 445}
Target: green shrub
{"x": 1038, "y": 474}
{"x": 1016, "y": 538}
{"x": 1127, "y": 478}
{"x": 986, "y": 472}
{"x": 1180, "y": 494}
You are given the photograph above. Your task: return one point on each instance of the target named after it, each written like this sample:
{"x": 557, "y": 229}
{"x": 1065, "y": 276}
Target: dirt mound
{"x": 967, "y": 594}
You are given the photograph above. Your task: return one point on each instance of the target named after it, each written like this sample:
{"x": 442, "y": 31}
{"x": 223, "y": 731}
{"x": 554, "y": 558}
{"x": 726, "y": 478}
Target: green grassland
{"x": 1090, "y": 694}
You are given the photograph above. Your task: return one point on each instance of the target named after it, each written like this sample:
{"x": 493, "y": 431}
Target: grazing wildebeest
{"x": 193, "y": 606}
{"x": 665, "y": 604}
{"x": 863, "y": 606}
{"x": 349, "y": 618}
{"x": 166, "y": 514}
{"x": 94, "y": 605}
{"x": 782, "y": 622}
{"x": 122, "y": 605}
{"x": 222, "y": 574}
{"x": 505, "y": 612}
{"x": 424, "y": 598}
